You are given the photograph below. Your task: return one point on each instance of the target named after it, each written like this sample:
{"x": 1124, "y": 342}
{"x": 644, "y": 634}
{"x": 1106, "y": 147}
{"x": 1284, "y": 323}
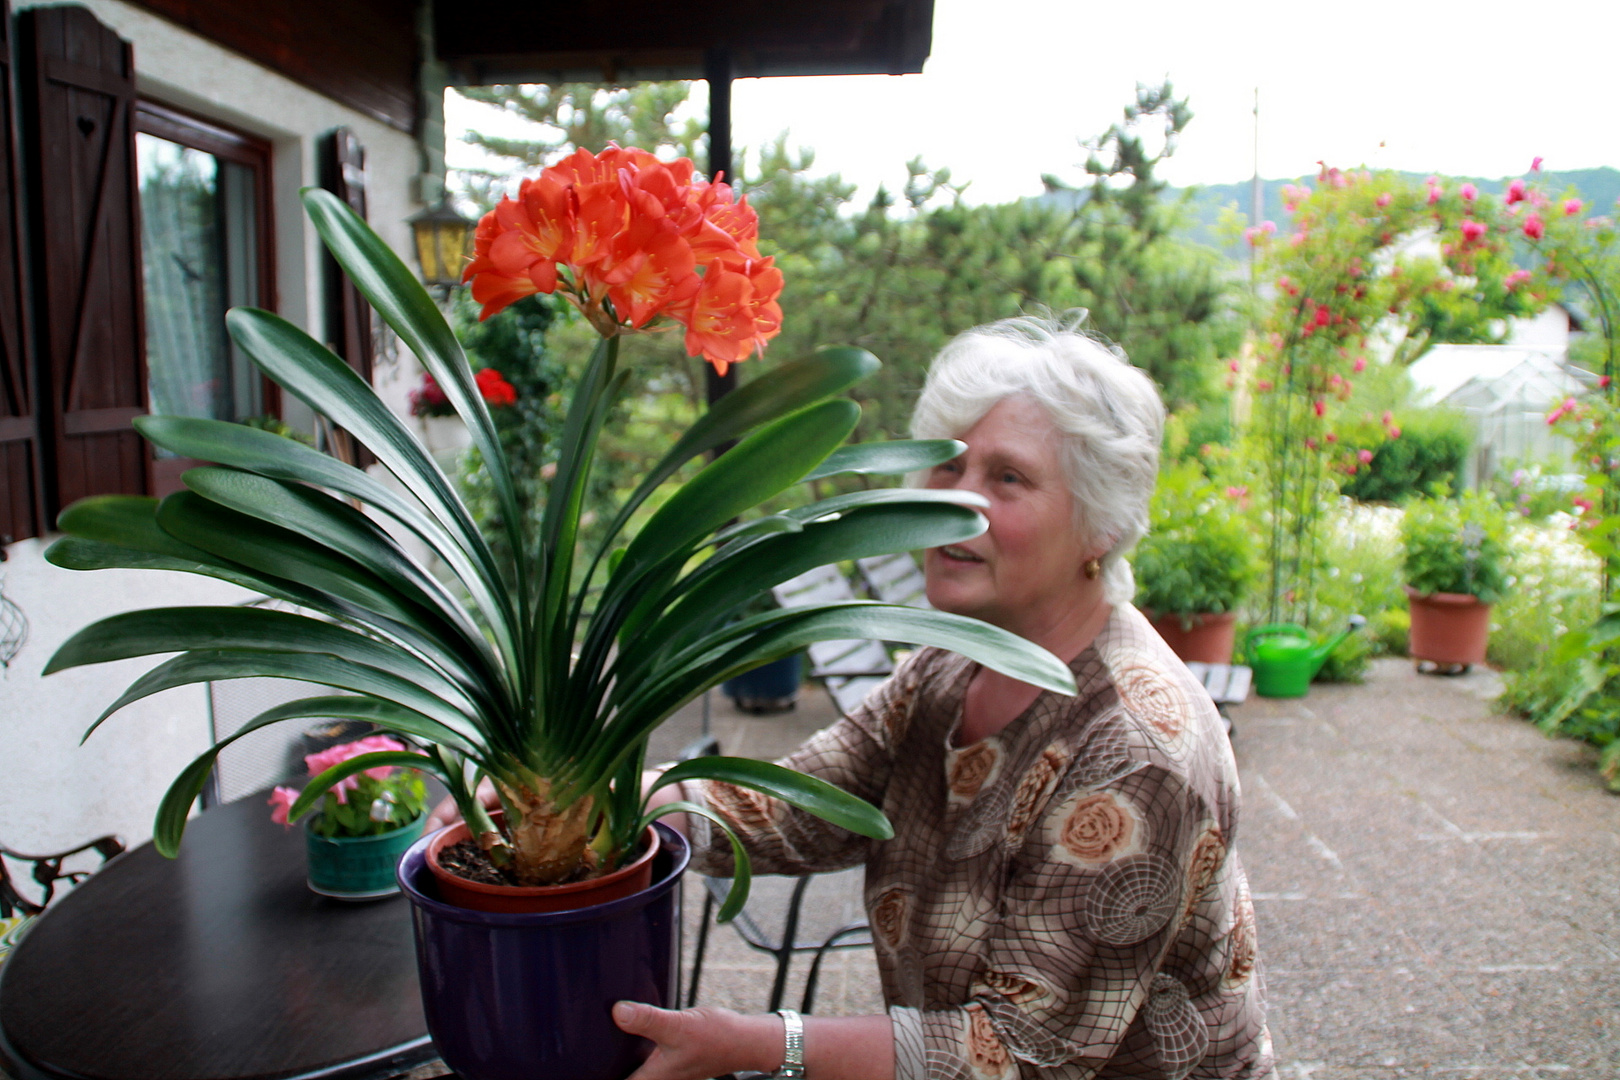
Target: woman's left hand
{"x": 696, "y": 1044}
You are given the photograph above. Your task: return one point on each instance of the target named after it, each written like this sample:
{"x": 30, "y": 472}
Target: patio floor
{"x": 1435, "y": 884}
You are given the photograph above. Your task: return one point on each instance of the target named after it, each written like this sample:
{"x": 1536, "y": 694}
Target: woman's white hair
{"x": 1108, "y": 411}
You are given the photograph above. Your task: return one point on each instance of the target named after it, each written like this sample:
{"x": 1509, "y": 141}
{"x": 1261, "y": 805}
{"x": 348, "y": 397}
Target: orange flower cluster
{"x": 628, "y": 238}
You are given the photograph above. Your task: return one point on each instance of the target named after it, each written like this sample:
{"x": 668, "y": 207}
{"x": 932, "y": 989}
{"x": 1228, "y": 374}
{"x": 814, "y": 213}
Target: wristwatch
{"x": 793, "y": 1056}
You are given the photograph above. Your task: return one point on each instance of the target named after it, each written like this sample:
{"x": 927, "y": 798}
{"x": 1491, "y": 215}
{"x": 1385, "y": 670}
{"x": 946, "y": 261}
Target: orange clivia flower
{"x": 735, "y": 312}
{"x": 630, "y": 239}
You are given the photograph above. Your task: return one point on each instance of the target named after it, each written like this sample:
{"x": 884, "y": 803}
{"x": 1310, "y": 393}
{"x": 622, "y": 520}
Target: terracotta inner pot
{"x": 628, "y": 879}
{"x": 1210, "y": 640}
{"x": 1449, "y": 628}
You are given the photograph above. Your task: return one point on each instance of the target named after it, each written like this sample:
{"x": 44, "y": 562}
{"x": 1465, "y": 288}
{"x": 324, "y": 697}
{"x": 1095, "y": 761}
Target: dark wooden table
{"x": 219, "y": 965}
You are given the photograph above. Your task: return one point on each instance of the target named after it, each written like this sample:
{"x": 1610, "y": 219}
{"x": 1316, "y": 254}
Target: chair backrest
{"x": 48, "y": 871}
{"x": 260, "y": 759}
{"x": 849, "y": 669}
{"x": 894, "y": 579}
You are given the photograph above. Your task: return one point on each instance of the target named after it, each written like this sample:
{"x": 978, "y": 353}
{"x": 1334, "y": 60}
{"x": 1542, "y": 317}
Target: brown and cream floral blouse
{"x": 1060, "y": 900}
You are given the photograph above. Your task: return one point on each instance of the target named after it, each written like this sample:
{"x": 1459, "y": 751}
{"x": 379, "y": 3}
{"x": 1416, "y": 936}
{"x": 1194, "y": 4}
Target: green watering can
{"x": 1285, "y": 658}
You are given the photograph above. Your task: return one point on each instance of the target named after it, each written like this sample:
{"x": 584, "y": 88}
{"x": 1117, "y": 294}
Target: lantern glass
{"x": 442, "y": 237}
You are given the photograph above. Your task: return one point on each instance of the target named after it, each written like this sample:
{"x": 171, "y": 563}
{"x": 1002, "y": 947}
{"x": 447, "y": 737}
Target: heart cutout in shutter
{"x": 87, "y": 125}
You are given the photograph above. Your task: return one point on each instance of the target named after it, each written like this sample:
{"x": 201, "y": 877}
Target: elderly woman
{"x": 1062, "y": 897}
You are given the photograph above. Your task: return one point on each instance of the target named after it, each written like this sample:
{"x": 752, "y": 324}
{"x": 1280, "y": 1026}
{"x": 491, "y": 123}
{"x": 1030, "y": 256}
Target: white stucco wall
{"x": 53, "y": 793}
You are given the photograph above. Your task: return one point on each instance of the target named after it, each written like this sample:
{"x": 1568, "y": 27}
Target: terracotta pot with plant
{"x": 540, "y": 666}
{"x": 1195, "y": 565}
{"x": 1455, "y": 564}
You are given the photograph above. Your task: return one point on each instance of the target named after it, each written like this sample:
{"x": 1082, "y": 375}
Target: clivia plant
{"x": 369, "y": 803}
{"x": 541, "y": 666}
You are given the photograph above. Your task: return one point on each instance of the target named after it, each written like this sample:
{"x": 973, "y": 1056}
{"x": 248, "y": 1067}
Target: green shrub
{"x": 1430, "y": 451}
{"x": 1390, "y": 631}
{"x": 1456, "y": 546}
{"x": 1198, "y": 555}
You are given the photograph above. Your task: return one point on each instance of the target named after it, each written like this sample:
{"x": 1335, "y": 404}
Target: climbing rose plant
{"x": 1372, "y": 259}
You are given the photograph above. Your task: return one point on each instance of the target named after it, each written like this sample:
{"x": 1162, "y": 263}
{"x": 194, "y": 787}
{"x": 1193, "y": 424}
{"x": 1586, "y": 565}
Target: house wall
{"x": 53, "y": 793}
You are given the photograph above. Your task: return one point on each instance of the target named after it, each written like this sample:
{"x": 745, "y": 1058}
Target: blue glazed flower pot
{"x": 516, "y": 997}
{"x": 358, "y": 867}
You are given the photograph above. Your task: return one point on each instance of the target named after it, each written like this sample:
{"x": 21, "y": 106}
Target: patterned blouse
{"x": 1060, "y": 900}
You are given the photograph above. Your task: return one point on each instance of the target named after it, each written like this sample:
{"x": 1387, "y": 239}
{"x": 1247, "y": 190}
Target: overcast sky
{"x": 1473, "y": 88}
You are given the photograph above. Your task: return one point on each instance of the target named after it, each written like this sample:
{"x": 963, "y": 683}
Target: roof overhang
{"x": 617, "y": 41}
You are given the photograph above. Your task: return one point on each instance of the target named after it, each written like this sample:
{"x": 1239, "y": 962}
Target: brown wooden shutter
{"x": 21, "y": 487}
{"x": 348, "y": 317}
{"x": 77, "y": 79}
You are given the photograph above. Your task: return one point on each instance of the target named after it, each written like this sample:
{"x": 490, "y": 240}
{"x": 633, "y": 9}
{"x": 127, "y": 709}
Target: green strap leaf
{"x": 811, "y": 794}
{"x": 742, "y": 879}
{"x": 310, "y": 372}
{"x": 185, "y": 629}
{"x": 888, "y": 458}
{"x": 740, "y": 646}
{"x": 390, "y": 287}
{"x": 242, "y": 447}
{"x": 791, "y": 387}
{"x": 323, "y": 782}
{"x": 321, "y": 668}
{"x": 332, "y": 522}
{"x": 729, "y": 580}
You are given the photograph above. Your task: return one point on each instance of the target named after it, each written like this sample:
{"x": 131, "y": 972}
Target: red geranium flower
{"x": 494, "y": 389}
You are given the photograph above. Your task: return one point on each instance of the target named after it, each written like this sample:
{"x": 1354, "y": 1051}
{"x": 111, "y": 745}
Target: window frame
{"x": 211, "y": 137}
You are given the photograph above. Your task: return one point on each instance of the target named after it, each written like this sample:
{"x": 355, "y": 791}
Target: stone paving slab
{"x": 1437, "y": 886}
{"x": 1474, "y": 931}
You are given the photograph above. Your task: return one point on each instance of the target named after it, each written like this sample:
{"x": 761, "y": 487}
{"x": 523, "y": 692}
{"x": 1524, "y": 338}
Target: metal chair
{"x": 849, "y": 670}
{"x": 782, "y": 946}
{"x": 48, "y": 873}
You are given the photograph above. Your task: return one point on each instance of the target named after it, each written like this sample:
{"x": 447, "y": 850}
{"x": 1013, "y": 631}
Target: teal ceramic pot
{"x": 358, "y": 867}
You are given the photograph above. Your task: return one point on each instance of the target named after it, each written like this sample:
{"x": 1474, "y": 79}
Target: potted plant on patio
{"x": 544, "y": 668}
{"x": 365, "y": 822}
{"x": 1455, "y": 563}
{"x": 1195, "y": 565}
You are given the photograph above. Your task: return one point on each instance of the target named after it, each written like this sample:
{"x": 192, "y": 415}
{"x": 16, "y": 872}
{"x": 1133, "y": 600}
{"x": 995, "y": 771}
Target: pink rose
{"x": 1434, "y": 194}
{"x": 1384, "y": 200}
{"x": 1360, "y": 365}
{"x": 1517, "y": 278}
{"x": 335, "y": 755}
{"x": 1472, "y": 231}
{"x": 1515, "y": 192}
{"x": 1469, "y": 192}
{"x": 281, "y": 801}
{"x": 1534, "y": 228}
{"x": 1364, "y": 456}
{"x": 1535, "y": 166}
{"x": 1572, "y": 207}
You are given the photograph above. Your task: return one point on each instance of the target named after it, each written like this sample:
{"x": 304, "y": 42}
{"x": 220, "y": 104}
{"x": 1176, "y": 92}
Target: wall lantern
{"x": 443, "y": 238}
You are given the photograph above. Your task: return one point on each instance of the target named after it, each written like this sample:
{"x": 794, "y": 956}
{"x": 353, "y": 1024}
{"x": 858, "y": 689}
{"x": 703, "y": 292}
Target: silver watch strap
{"x": 793, "y": 1054}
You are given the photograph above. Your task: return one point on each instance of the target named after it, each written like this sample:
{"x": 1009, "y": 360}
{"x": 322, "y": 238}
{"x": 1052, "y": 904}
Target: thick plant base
{"x": 517, "y": 997}
{"x": 1209, "y": 640}
{"x": 1448, "y": 628}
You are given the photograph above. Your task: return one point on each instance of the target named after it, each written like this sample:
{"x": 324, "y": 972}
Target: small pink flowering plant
{"x": 371, "y": 802}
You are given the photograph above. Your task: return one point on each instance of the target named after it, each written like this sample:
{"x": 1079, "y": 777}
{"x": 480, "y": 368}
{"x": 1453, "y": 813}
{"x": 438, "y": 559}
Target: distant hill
{"x": 1599, "y": 187}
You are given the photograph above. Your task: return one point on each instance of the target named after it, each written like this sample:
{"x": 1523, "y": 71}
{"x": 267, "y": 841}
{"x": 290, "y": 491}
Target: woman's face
{"x": 1026, "y": 570}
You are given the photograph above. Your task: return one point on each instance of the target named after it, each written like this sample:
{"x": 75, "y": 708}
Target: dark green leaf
{"x": 831, "y": 804}
{"x": 888, "y": 458}
{"x": 742, "y": 878}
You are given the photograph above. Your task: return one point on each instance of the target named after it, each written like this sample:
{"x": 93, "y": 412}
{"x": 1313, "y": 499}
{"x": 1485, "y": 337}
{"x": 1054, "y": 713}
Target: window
{"x": 205, "y": 248}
